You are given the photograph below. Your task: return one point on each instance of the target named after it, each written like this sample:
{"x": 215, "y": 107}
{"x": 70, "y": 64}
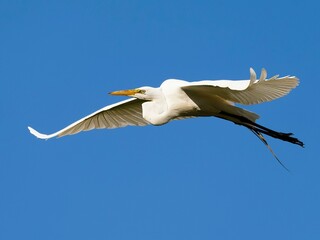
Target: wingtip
{"x": 263, "y": 75}
{"x": 253, "y": 76}
{"x": 37, "y": 134}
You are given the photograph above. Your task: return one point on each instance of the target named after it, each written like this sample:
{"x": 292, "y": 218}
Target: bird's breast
{"x": 155, "y": 112}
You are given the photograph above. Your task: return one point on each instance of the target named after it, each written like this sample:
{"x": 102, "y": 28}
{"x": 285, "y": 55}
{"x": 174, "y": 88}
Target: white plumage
{"x": 178, "y": 99}
{"x": 121, "y": 114}
{"x": 185, "y": 98}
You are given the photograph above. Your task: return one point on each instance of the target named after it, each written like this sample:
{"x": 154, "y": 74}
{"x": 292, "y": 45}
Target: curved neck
{"x": 155, "y": 111}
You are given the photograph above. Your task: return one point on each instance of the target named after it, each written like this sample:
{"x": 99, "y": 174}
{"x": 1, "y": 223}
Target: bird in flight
{"x": 179, "y": 99}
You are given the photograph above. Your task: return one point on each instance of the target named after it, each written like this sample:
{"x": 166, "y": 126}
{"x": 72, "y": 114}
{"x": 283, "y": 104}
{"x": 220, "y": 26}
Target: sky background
{"x": 193, "y": 179}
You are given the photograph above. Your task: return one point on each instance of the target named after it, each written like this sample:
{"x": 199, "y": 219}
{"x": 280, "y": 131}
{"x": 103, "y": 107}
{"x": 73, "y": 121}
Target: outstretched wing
{"x": 246, "y": 92}
{"x": 121, "y": 114}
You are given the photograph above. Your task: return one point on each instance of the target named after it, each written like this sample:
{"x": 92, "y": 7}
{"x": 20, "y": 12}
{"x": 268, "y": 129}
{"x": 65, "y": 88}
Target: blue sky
{"x": 193, "y": 179}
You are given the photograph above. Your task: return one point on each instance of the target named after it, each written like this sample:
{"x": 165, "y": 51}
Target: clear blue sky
{"x": 192, "y": 179}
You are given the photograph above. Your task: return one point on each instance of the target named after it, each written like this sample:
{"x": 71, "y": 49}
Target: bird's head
{"x": 144, "y": 93}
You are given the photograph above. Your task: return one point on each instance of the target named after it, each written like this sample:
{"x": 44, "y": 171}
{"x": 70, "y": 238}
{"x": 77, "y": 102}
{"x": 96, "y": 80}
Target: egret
{"x": 179, "y": 99}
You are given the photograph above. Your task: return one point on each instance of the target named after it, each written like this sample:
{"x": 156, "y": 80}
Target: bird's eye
{"x": 141, "y": 91}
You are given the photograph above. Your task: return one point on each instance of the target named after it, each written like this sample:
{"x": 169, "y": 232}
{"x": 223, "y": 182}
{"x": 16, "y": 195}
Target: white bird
{"x": 178, "y": 99}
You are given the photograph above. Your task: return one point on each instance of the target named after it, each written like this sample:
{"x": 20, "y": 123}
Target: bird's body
{"x": 179, "y": 99}
{"x": 178, "y": 104}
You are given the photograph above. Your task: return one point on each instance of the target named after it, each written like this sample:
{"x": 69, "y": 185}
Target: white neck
{"x": 155, "y": 111}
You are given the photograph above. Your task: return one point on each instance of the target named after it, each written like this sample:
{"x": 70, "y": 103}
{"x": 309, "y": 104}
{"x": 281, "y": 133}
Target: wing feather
{"x": 124, "y": 113}
{"x": 247, "y": 92}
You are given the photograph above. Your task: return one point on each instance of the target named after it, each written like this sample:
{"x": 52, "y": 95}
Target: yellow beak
{"x": 129, "y": 92}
